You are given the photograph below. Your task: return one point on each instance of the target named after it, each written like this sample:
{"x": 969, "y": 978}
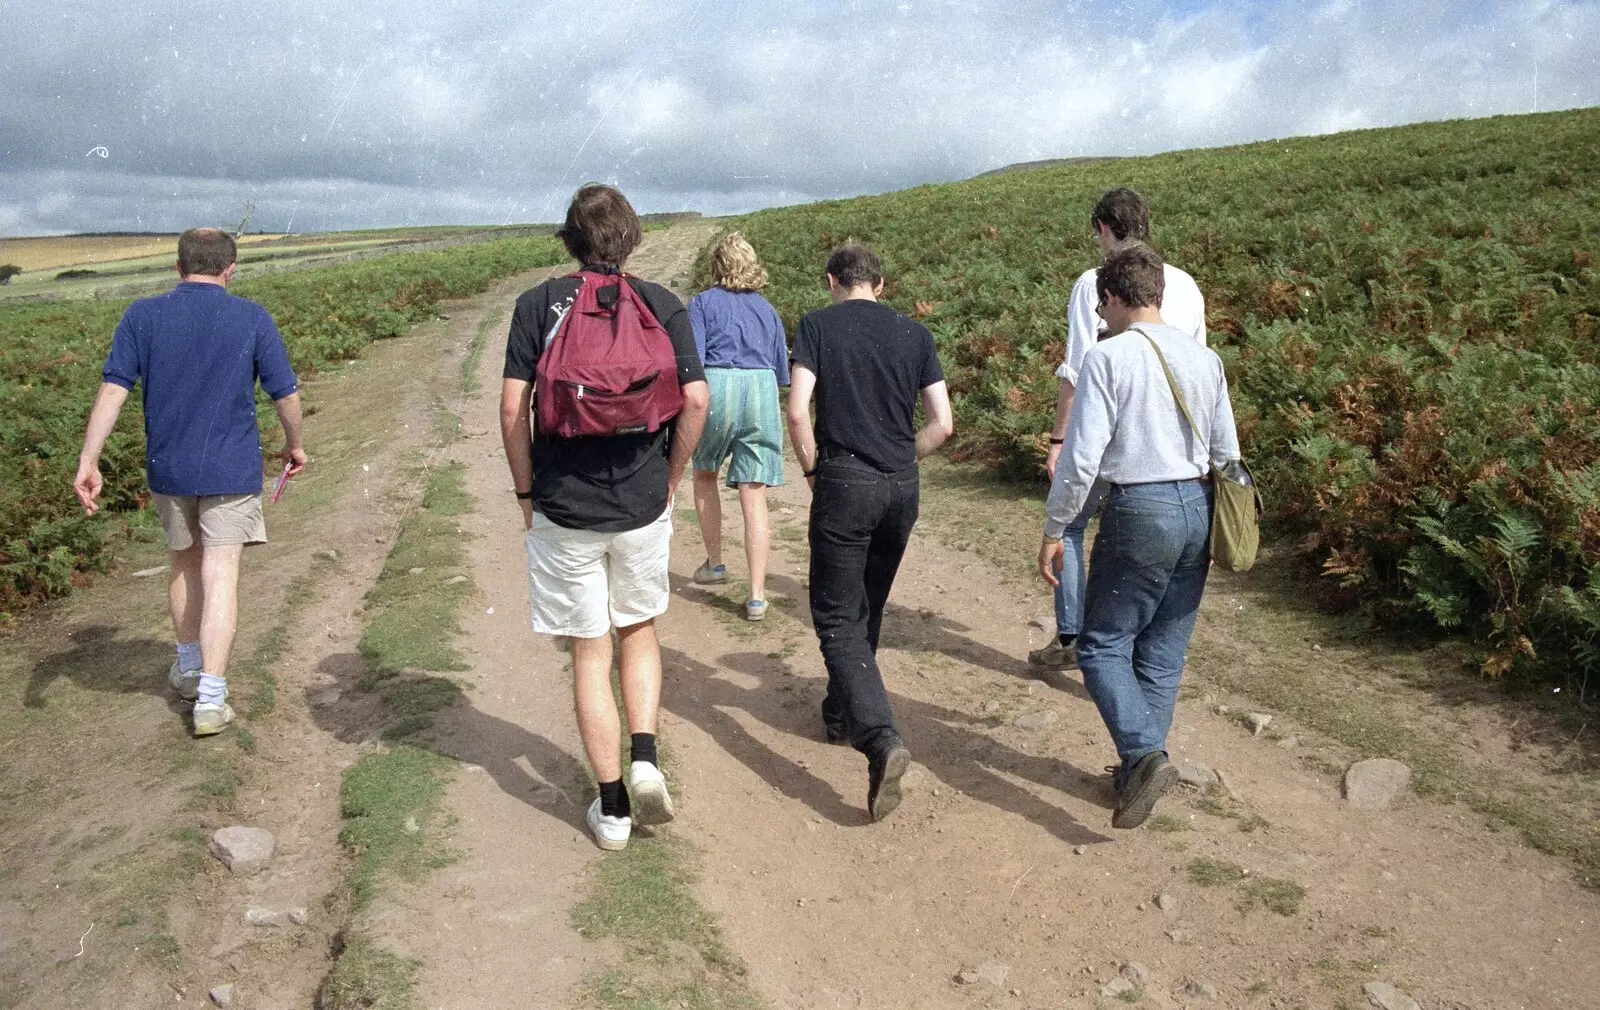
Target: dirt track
{"x": 979, "y": 865}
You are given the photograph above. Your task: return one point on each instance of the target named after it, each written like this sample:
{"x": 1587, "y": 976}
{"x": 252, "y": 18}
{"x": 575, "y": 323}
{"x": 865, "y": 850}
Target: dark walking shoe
{"x": 884, "y": 772}
{"x": 1150, "y": 777}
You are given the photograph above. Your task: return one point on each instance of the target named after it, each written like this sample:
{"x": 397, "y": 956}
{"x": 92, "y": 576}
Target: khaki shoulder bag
{"x": 1236, "y": 503}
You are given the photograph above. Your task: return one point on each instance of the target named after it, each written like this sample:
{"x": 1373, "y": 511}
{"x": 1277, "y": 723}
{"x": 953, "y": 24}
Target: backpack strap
{"x": 1177, "y": 394}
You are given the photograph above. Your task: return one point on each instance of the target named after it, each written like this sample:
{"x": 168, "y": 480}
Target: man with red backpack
{"x": 607, "y": 363}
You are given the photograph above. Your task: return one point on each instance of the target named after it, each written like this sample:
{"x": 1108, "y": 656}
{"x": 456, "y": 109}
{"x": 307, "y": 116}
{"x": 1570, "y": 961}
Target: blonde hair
{"x": 734, "y": 265}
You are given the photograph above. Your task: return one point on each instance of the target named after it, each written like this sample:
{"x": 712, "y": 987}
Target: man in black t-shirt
{"x": 867, "y": 365}
{"x": 599, "y": 519}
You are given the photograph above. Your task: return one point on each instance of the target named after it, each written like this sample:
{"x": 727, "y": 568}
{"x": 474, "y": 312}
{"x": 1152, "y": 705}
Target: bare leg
{"x": 641, "y": 675}
{"x": 184, "y": 594}
{"x": 708, "y": 507}
{"x": 598, "y": 722}
{"x": 219, "y": 615}
{"x": 757, "y": 536}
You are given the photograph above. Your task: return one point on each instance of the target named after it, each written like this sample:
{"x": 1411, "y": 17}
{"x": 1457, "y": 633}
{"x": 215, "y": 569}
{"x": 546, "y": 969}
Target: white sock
{"x": 213, "y": 690}
{"x": 188, "y": 656}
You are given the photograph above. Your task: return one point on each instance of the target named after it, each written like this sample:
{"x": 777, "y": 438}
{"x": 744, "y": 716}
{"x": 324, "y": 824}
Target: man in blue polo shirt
{"x": 198, "y": 352}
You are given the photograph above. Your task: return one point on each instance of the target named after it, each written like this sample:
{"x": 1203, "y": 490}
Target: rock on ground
{"x": 1258, "y": 722}
{"x": 1193, "y": 773}
{"x": 1166, "y": 902}
{"x": 993, "y": 973}
{"x": 1137, "y": 973}
{"x": 223, "y": 995}
{"x": 1116, "y": 987}
{"x": 1199, "y": 990}
{"x": 1036, "y": 720}
{"x": 245, "y": 851}
{"x": 1386, "y": 997}
{"x": 1376, "y": 783}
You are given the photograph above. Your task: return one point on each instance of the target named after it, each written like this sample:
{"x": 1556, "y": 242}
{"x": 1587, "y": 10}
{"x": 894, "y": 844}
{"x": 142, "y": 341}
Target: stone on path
{"x": 1036, "y": 720}
{"x": 993, "y": 972}
{"x": 259, "y": 915}
{"x": 1289, "y": 742}
{"x": 1116, "y": 987}
{"x": 1258, "y": 722}
{"x": 455, "y": 580}
{"x": 1199, "y": 990}
{"x": 223, "y": 995}
{"x": 1386, "y": 997}
{"x": 1195, "y": 774}
{"x": 245, "y": 851}
{"x": 1166, "y": 902}
{"x": 323, "y": 699}
{"x": 1137, "y": 973}
{"x": 1376, "y": 783}
{"x": 1080, "y": 850}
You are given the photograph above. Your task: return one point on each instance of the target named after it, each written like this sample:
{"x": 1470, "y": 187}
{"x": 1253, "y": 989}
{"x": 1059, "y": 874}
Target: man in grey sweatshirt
{"x": 1152, "y": 554}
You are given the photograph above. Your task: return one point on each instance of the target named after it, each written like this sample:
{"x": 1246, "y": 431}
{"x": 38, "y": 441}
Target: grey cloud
{"x": 404, "y": 112}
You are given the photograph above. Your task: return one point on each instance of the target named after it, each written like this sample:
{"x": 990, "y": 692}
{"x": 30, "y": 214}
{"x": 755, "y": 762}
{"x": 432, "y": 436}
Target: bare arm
{"x": 691, "y": 422}
{"x": 802, "y": 384}
{"x": 293, "y": 453}
{"x": 1058, "y": 430}
{"x": 516, "y": 434}
{"x": 938, "y": 424}
{"x": 102, "y": 418}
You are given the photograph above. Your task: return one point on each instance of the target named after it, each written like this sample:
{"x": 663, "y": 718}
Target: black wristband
{"x": 1058, "y": 441}
{"x": 809, "y": 473}
{"x": 524, "y": 495}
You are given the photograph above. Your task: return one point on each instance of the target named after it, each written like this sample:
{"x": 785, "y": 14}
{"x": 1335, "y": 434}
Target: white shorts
{"x": 583, "y": 583}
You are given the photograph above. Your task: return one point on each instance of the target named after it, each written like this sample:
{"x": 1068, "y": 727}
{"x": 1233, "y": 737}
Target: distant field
{"x": 64, "y": 252}
{"x": 123, "y": 265}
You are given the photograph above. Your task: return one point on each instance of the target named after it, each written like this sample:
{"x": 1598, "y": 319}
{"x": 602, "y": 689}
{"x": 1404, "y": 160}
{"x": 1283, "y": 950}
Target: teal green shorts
{"x": 744, "y": 423}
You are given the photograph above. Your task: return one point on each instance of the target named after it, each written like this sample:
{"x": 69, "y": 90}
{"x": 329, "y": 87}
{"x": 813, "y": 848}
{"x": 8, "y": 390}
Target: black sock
{"x": 614, "y": 799}
{"x": 643, "y": 748}
{"x": 1066, "y": 639}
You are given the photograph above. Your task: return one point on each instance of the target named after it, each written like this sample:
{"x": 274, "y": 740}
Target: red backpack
{"x": 609, "y": 368}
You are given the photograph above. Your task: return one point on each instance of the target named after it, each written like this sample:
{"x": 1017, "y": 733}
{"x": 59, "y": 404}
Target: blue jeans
{"x": 1146, "y": 576}
{"x": 1074, "y": 573}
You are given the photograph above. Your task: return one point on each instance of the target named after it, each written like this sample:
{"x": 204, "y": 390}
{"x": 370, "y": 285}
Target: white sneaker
{"x": 187, "y": 685}
{"x": 610, "y": 833}
{"x": 647, "y": 794}
{"x": 209, "y": 720}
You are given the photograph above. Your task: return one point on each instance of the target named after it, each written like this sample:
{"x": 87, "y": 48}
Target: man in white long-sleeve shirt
{"x": 1120, "y": 219}
{"x": 1152, "y": 554}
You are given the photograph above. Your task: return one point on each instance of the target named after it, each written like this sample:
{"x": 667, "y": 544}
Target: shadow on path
{"x": 528, "y": 766}
{"x": 904, "y": 628}
{"x": 100, "y": 660}
{"x": 950, "y": 744}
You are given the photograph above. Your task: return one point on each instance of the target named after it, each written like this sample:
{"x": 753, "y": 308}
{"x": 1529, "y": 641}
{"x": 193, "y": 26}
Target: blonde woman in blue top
{"x": 746, "y": 359}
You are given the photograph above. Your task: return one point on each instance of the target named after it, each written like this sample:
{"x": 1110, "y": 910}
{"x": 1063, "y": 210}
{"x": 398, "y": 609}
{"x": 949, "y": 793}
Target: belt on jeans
{"x": 1186, "y": 480}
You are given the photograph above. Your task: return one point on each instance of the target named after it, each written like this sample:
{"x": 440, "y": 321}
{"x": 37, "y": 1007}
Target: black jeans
{"x": 861, "y": 520}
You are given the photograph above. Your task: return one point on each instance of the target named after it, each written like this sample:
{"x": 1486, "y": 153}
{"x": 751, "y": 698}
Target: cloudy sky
{"x": 154, "y": 115}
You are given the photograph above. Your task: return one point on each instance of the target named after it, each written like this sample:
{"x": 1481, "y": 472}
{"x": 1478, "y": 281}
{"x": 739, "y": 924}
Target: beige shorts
{"x": 583, "y": 583}
{"x": 215, "y": 519}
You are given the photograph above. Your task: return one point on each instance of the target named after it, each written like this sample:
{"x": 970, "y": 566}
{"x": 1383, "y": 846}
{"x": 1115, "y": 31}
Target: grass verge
{"x": 674, "y": 954}
{"x": 390, "y": 798}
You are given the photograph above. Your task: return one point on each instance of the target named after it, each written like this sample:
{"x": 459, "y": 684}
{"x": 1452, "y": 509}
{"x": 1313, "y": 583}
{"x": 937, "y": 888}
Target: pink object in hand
{"x": 283, "y": 478}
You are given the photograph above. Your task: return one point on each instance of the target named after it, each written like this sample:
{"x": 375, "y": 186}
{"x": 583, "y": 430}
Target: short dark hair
{"x": 601, "y": 226}
{"x": 1135, "y": 274}
{"x": 853, "y": 263}
{"x": 1123, "y": 211}
{"x": 205, "y": 252}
